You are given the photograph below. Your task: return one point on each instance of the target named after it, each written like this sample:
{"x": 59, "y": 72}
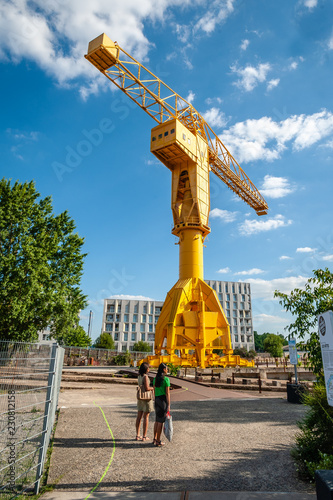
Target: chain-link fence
{"x": 92, "y": 356}
{"x": 30, "y": 376}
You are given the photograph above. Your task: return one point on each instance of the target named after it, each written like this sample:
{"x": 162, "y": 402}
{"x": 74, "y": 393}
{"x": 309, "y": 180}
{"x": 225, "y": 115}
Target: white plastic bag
{"x": 168, "y": 427}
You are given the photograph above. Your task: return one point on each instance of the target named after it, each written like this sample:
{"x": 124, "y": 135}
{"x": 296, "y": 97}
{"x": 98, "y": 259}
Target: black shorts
{"x": 161, "y": 407}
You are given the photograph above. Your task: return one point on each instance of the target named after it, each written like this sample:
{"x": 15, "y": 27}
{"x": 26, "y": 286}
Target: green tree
{"x": 273, "y": 344}
{"x": 75, "y": 337}
{"x": 141, "y": 347}
{"x": 40, "y": 266}
{"x": 104, "y": 341}
{"x": 305, "y": 304}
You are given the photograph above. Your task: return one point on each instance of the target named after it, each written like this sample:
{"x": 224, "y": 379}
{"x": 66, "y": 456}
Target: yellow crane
{"x": 192, "y": 322}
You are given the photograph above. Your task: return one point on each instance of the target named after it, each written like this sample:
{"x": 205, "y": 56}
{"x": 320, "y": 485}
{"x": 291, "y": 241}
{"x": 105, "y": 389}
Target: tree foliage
{"x": 104, "y": 341}
{"x": 244, "y": 353}
{"x": 40, "y": 267}
{"x": 260, "y": 339}
{"x": 305, "y": 304}
{"x": 273, "y": 344}
{"x": 142, "y": 346}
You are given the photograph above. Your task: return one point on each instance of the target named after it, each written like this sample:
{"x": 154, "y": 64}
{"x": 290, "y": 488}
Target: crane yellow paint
{"x": 192, "y": 322}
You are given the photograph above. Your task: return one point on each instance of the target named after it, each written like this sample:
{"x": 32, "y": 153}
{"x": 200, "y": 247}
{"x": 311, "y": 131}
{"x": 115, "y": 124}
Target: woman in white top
{"x": 144, "y": 406}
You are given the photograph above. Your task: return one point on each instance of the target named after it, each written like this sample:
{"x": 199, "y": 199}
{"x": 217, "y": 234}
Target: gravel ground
{"x": 227, "y": 444}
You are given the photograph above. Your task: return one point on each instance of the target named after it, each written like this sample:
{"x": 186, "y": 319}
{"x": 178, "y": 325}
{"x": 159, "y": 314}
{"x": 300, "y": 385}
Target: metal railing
{"x": 30, "y": 376}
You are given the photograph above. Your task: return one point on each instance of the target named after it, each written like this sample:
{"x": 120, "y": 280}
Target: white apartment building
{"x": 129, "y": 321}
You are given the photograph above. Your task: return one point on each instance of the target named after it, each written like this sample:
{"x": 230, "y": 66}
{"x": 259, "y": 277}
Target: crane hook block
{"x": 102, "y": 52}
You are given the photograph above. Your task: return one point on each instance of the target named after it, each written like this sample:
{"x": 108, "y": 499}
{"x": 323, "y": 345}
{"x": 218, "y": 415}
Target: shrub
{"x": 123, "y": 359}
{"x": 173, "y": 369}
{"x": 314, "y": 443}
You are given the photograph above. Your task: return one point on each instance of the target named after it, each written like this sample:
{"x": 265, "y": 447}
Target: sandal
{"x": 138, "y": 438}
{"x": 159, "y": 443}
{"x": 145, "y": 438}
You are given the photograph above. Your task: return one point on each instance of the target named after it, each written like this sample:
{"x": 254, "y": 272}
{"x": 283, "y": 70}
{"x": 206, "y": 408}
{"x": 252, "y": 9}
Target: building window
{"x": 150, "y": 328}
{"x": 160, "y": 136}
{"x": 151, "y": 309}
{"x": 135, "y": 318}
{"x": 119, "y": 308}
{"x": 153, "y": 139}
{"x": 124, "y": 347}
{"x": 234, "y": 305}
{"x": 189, "y": 141}
{"x": 249, "y": 338}
{"x": 116, "y": 346}
{"x": 109, "y": 327}
{"x": 235, "y": 321}
{"x": 116, "y": 327}
{"x": 126, "y": 327}
{"x": 172, "y": 131}
{"x": 143, "y": 318}
{"x": 109, "y": 317}
{"x": 150, "y": 318}
{"x": 239, "y": 289}
{"x": 127, "y": 308}
{"x": 236, "y": 338}
{"x": 156, "y": 319}
{"x": 133, "y": 337}
{"x": 233, "y": 288}
{"x": 220, "y": 297}
{"x": 133, "y": 327}
{"x": 117, "y": 317}
{"x": 142, "y": 327}
{"x": 243, "y": 298}
{"x": 158, "y": 309}
{"x": 184, "y": 137}
{"x": 242, "y": 338}
{"x": 235, "y": 330}
{"x": 126, "y": 318}
{"x": 151, "y": 337}
{"x": 136, "y": 308}
{"x": 166, "y": 133}
{"x": 234, "y": 314}
{"x": 116, "y": 336}
{"x": 228, "y": 296}
{"x": 145, "y": 308}
{"x": 227, "y": 305}
{"x": 143, "y": 337}
{"x": 111, "y": 308}
{"x": 235, "y": 297}
{"x": 125, "y": 337}
{"x": 226, "y": 288}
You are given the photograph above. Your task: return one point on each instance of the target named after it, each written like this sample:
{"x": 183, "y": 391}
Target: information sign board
{"x": 292, "y": 351}
{"x": 325, "y": 327}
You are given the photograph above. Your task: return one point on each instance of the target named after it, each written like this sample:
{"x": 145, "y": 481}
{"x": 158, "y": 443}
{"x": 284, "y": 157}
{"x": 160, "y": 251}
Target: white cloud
{"x": 268, "y": 318}
{"x": 284, "y": 257}
{"x": 215, "y": 117}
{"x": 223, "y": 215}
{"x": 250, "y": 272}
{"x": 273, "y": 83}
{"x": 305, "y": 250}
{"x": 217, "y": 12}
{"x": 310, "y": 4}
{"x": 190, "y": 97}
{"x": 264, "y": 289}
{"x": 131, "y": 297}
{"x": 330, "y": 43}
{"x": 265, "y": 139}
{"x": 55, "y": 34}
{"x": 275, "y": 187}
{"x": 328, "y": 258}
{"x": 250, "y": 76}
{"x": 225, "y": 270}
{"x": 293, "y": 65}
{"x": 245, "y": 44}
{"x": 255, "y": 226}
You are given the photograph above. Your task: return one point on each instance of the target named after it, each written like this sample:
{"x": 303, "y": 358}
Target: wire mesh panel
{"x": 27, "y": 395}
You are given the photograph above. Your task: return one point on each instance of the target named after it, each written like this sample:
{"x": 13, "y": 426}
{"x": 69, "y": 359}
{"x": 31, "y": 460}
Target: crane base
{"x": 189, "y": 361}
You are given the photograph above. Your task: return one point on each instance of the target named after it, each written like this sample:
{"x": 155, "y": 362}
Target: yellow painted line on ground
{"x": 112, "y": 454}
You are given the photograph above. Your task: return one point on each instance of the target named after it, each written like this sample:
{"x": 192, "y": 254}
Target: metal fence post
{"x": 44, "y": 440}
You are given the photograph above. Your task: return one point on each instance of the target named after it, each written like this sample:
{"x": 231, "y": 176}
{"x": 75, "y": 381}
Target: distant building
{"x": 130, "y": 320}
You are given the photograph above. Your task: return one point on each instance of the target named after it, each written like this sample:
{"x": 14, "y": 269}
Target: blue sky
{"x": 260, "y": 72}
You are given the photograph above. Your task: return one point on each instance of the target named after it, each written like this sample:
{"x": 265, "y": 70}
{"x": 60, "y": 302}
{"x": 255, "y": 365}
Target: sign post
{"x": 293, "y": 356}
{"x": 325, "y": 326}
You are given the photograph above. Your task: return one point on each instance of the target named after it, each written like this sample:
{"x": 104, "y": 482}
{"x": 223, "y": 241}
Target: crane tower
{"x": 192, "y": 322}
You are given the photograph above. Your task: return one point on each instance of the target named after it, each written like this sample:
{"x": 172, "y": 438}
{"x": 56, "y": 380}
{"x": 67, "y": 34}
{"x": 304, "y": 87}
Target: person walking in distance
{"x": 161, "y": 385}
{"x": 145, "y": 407}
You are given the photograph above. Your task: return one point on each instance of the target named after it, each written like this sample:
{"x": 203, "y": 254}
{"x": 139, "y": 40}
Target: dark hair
{"x": 160, "y": 375}
{"x": 143, "y": 368}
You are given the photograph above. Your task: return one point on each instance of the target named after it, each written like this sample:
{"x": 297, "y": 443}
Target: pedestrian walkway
{"x": 227, "y": 447}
